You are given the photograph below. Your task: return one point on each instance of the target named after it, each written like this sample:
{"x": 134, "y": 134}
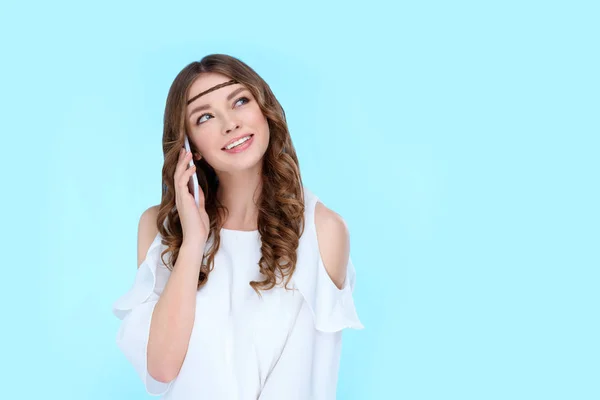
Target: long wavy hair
{"x": 281, "y": 201}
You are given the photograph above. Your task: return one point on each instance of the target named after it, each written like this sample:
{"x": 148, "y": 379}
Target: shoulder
{"x": 147, "y": 231}
{"x": 334, "y": 242}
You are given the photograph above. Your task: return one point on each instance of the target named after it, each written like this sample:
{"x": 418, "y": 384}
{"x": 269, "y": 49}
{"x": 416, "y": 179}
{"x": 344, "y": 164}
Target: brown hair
{"x": 281, "y": 201}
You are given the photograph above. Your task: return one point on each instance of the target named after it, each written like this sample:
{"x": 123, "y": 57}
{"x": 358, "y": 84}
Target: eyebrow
{"x": 206, "y": 106}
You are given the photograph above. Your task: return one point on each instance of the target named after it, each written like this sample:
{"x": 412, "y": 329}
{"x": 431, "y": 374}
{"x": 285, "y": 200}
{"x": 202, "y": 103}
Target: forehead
{"x": 206, "y": 82}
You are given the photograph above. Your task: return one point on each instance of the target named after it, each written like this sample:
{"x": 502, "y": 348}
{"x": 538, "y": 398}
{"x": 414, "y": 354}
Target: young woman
{"x": 246, "y": 295}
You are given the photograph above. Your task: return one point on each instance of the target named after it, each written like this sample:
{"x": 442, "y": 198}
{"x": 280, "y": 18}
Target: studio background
{"x": 459, "y": 141}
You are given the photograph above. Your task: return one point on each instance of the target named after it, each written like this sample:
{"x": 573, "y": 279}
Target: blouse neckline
{"x": 237, "y": 232}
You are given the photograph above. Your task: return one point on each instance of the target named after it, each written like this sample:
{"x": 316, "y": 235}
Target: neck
{"x": 239, "y": 192}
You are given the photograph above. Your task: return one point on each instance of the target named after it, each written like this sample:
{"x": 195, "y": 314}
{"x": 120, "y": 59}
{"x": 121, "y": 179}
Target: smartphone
{"x": 194, "y": 178}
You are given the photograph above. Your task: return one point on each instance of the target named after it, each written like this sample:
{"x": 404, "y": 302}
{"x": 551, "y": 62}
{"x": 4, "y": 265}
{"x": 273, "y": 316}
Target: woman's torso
{"x": 237, "y": 337}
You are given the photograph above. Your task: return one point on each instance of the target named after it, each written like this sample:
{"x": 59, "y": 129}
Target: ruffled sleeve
{"x": 333, "y": 309}
{"x": 135, "y": 309}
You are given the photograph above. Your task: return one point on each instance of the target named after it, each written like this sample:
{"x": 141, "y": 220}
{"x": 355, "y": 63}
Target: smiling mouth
{"x": 250, "y": 136}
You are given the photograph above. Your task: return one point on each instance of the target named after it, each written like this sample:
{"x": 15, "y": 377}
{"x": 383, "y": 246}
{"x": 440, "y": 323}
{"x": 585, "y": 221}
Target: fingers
{"x": 186, "y": 175}
{"x": 183, "y": 175}
{"x": 182, "y": 162}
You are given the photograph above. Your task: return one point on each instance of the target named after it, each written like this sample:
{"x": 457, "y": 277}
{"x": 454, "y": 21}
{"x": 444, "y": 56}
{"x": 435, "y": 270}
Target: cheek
{"x": 205, "y": 145}
{"x": 255, "y": 116}
{"x": 259, "y": 121}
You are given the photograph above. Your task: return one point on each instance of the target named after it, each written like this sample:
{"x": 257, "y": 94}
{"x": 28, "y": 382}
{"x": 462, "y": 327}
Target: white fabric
{"x": 284, "y": 346}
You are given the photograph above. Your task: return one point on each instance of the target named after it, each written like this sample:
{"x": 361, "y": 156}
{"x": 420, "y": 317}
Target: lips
{"x": 237, "y": 138}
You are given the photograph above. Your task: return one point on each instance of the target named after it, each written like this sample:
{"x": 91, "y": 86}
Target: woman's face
{"x": 230, "y": 112}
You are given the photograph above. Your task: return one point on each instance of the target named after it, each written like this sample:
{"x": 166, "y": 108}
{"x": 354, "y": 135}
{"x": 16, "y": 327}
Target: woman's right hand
{"x": 195, "y": 223}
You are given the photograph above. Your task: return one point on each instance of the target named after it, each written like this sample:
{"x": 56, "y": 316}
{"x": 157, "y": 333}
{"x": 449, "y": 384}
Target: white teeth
{"x": 237, "y": 142}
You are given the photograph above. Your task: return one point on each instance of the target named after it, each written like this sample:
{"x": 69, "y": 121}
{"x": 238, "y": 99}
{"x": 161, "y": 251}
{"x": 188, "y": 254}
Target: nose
{"x": 232, "y": 126}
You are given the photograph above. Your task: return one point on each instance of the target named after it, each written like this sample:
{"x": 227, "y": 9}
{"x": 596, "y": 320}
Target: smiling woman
{"x": 221, "y": 100}
{"x": 268, "y": 323}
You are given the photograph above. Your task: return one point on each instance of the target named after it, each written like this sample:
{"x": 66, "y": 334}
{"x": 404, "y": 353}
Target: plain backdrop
{"x": 458, "y": 140}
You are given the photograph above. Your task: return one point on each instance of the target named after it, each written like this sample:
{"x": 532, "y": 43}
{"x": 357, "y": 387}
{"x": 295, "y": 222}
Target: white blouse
{"x": 284, "y": 346}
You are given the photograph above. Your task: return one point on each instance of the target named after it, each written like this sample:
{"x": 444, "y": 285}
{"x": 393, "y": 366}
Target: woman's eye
{"x": 198, "y": 122}
{"x": 242, "y": 98}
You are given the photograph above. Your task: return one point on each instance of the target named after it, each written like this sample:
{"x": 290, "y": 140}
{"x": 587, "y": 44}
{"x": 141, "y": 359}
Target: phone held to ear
{"x": 194, "y": 178}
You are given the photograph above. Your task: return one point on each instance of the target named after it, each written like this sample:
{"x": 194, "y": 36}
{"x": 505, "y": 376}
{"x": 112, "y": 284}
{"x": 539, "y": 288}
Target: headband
{"x": 231, "y": 82}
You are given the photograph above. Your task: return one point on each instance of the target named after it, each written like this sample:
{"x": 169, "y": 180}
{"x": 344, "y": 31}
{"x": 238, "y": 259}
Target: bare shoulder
{"x": 147, "y": 231}
{"x": 334, "y": 242}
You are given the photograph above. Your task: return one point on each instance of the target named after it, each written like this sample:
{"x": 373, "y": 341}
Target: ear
{"x": 197, "y": 156}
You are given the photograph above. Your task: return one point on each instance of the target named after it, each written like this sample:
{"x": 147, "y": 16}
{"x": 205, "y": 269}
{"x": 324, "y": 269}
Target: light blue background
{"x": 459, "y": 140}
